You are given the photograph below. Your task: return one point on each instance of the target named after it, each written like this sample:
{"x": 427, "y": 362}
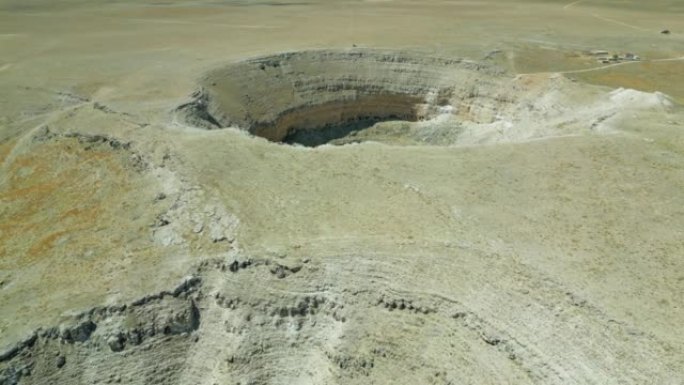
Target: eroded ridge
{"x": 265, "y": 321}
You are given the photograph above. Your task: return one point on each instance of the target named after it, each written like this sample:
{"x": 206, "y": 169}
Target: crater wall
{"x": 276, "y": 96}
{"x": 338, "y": 97}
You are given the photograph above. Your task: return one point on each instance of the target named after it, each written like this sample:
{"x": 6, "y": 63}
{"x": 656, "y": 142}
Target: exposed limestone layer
{"x": 275, "y": 95}
{"x": 100, "y": 345}
{"x": 337, "y": 97}
{"x": 219, "y": 326}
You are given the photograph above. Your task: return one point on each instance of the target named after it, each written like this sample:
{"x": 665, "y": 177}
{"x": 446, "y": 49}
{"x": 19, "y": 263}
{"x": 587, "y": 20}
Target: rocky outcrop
{"x": 258, "y": 321}
{"x": 168, "y": 317}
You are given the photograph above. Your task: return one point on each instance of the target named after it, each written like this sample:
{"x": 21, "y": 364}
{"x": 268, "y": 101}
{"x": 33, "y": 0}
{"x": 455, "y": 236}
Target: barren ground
{"x": 523, "y": 224}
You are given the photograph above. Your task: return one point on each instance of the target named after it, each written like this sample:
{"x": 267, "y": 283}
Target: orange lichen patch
{"x": 5, "y": 149}
{"x": 68, "y": 192}
{"x": 81, "y": 213}
{"x": 665, "y": 77}
{"x": 73, "y": 221}
{"x": 40, "y": 190}
{"x": 45, "y": 244}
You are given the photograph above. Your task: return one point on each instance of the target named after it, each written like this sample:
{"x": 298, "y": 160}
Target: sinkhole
{"x": 318, "y": 97}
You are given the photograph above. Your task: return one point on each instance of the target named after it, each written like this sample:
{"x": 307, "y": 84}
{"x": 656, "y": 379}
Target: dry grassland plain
{"x": 493, "y": 204}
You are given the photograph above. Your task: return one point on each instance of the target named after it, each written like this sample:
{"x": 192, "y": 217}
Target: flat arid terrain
{"x": 341, "y": 192}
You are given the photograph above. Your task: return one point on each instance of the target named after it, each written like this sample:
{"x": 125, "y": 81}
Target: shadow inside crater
{"x": 323, "y": 135}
